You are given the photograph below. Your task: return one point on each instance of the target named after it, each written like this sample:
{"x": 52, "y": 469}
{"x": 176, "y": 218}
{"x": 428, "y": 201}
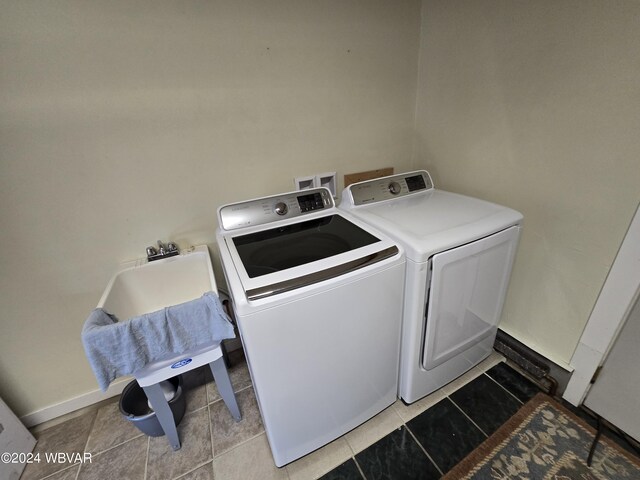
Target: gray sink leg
{"x": 163, "y": 414}
{"x": 221, "y": 377}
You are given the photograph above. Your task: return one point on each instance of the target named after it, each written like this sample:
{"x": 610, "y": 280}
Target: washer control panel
{"x": 272, "y": 209}
{"x": 386, "y": 188}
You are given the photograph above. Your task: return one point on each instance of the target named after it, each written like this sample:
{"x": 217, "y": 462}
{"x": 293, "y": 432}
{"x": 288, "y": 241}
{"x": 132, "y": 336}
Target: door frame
{"x": 617, "y": 297}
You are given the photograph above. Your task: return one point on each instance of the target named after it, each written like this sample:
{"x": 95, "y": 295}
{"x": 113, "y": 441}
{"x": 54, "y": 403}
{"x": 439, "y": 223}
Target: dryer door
{"x": 468, "y": 287}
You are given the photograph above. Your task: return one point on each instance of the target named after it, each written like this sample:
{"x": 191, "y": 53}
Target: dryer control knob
{"x": 394, "y": 188}
{"x": 281, "y": 208}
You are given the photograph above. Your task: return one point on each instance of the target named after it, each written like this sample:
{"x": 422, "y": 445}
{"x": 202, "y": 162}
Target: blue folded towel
{"x": 116, "y": 348}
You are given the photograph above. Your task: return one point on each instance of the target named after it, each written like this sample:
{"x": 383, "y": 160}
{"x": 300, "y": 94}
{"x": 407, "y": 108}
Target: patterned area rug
{"x": 545, "y": 441}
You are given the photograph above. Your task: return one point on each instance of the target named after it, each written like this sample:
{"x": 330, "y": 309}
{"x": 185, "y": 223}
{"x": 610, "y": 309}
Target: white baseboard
{"x": 76, "y": 403}
{"x": 85, "y": 400}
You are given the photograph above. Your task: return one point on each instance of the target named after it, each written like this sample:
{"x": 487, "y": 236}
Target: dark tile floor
{"x": 430, "y": 444}
{"x": 422, "y": 440}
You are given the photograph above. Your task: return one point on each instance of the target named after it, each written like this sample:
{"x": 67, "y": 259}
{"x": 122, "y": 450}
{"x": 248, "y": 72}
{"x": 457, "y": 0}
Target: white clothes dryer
{"x": 460, "y": 252}
{"x": 318, "y": 299}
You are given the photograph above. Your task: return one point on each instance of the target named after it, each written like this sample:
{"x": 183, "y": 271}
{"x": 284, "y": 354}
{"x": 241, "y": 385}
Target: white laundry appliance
{"x": 318, "y": 299}
{"x": 460, "y": 251}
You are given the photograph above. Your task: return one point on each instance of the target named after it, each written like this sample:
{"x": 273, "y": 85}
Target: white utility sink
{"x": 141, "y": 287}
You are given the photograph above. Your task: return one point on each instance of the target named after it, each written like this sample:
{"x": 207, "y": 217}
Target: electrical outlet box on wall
{"x": 327, "y": 180}
{"x": 304, "y": 183}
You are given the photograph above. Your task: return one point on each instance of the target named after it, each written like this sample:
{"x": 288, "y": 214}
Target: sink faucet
{"x": 163, "y": 251}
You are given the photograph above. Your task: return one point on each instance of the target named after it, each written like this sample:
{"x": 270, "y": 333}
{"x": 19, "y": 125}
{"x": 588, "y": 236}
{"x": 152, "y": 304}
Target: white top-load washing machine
{"x": 318, "y": 299}
{"x": 460, "y": 252}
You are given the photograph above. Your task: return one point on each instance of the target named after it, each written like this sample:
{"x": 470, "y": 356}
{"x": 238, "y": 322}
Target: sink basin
{"x": 141, "y": 287}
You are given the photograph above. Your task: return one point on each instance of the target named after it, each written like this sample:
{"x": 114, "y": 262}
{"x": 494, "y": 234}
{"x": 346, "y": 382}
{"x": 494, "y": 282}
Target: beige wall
{"x": 536, "y": 105}
{"x": 126, "y": 122}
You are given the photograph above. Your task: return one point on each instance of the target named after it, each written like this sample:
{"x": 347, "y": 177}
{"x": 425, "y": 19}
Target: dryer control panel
{"x": 271, "y": 209}
{"x": 387, "y": 188}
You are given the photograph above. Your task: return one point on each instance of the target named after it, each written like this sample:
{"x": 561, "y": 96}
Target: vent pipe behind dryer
{"x": 537, "y": 370}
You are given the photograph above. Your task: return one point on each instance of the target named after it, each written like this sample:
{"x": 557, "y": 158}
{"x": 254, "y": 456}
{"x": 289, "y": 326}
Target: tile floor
{"x": 422, "y": 440}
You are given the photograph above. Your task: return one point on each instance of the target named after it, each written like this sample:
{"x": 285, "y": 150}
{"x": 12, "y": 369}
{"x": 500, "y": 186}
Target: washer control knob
{"x": 281, "y": 208}
{"x": 394, "y": 188}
